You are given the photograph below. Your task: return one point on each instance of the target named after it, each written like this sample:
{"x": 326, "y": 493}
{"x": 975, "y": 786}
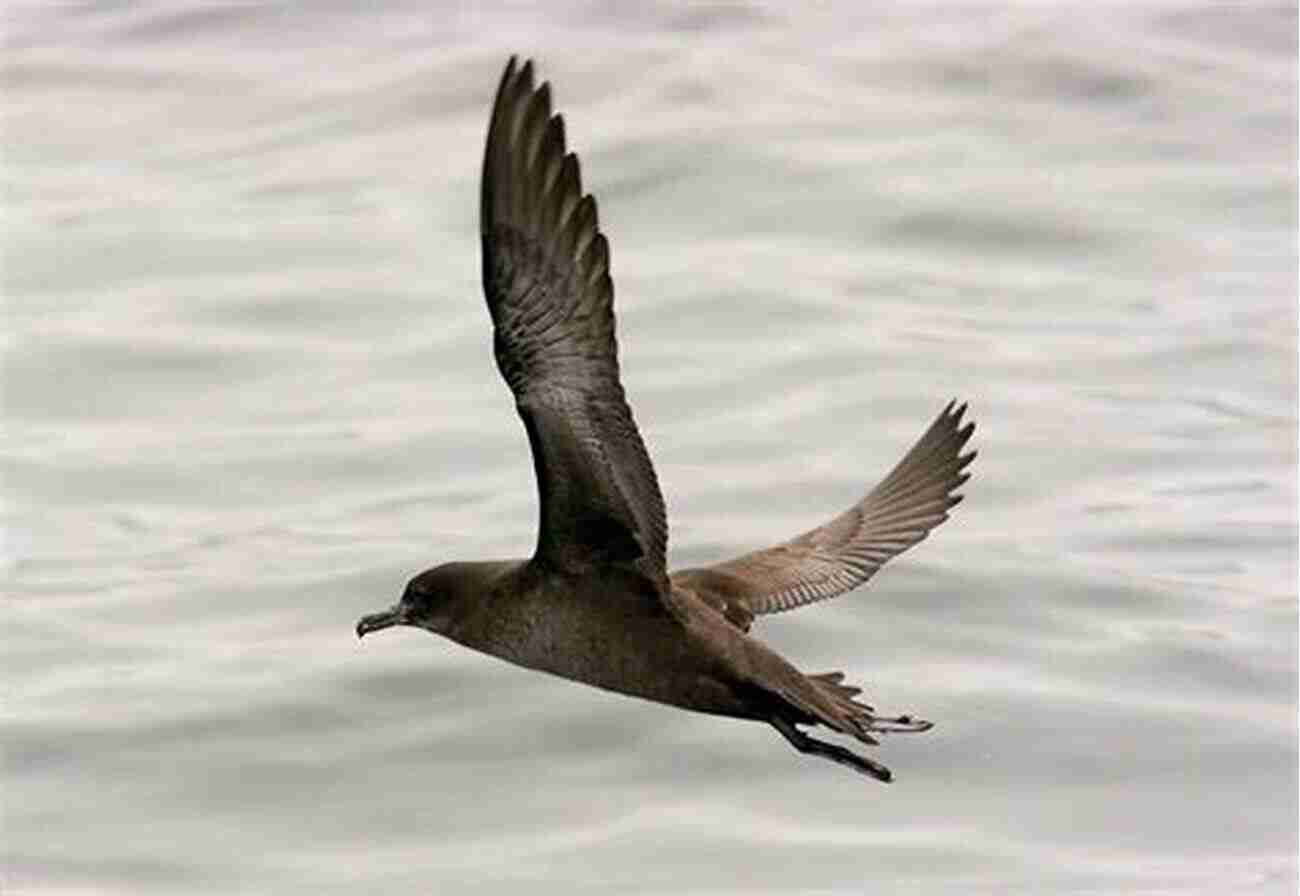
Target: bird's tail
{"x": 855, "y": 718}
{"x": 793, "y": 698}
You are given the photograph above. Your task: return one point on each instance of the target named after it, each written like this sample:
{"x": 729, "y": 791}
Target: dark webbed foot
{"x": 805, "y": 744}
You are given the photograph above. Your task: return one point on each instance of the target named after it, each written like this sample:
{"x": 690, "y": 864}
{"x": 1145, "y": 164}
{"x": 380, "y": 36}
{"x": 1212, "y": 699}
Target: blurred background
{"x": 248, "y": 390}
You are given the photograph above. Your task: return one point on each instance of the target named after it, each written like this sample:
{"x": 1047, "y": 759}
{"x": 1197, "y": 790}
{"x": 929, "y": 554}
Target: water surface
{"x": 248, "y": 389}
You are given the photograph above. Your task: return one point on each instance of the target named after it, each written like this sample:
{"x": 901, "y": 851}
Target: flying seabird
{"x": 596, "y": 603}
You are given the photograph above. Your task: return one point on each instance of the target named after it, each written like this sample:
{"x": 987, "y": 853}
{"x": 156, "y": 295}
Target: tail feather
{"x": 856, "y": 718}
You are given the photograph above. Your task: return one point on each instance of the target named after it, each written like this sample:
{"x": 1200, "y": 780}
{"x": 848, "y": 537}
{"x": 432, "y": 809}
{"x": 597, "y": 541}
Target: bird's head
{"x": 429, "y": 602}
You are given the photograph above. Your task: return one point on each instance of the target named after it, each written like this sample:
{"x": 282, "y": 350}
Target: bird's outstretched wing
{"x": 845, "y": 552}
{"x": 547, "y": 280}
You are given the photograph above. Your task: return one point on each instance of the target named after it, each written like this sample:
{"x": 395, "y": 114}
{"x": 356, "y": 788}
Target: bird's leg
{"x": 805, "y": 744}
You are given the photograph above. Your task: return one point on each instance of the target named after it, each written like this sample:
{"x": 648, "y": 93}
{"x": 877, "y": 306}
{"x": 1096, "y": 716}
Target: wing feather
{"x": 548, "y": 288}
{"x": 848, "y": 550}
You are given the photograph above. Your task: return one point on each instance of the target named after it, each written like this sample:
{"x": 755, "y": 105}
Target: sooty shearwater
{"x": 595, "y": 603}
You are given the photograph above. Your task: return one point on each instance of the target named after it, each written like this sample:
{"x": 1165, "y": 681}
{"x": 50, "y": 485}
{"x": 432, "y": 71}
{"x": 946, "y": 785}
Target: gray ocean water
{"x": 248, "y": 390}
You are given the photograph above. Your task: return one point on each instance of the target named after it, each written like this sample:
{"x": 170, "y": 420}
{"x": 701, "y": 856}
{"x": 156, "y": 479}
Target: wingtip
{"x": 508, "y": 75}
{"x": 963, "y": 436}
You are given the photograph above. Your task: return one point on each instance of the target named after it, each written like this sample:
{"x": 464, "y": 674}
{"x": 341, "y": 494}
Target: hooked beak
{"x": 384, "y": 619}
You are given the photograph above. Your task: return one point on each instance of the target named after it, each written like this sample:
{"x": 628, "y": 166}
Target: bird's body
{"x": 603, "y": 630}
{"x": 595, "y": 603}
{"x": 611, "y": 631}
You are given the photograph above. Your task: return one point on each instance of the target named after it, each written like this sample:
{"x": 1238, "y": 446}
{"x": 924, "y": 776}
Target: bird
{"x": 595, "y": 603}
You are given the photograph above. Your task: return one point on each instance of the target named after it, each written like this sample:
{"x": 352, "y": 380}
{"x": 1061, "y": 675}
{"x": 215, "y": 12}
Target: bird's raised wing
{"x": 845, "y": 552}
{"x": 547, "y": 281}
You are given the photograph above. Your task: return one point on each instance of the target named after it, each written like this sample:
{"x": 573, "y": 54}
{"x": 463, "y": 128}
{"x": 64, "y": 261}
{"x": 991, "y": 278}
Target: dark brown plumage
{"x": 595, "y": 602}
